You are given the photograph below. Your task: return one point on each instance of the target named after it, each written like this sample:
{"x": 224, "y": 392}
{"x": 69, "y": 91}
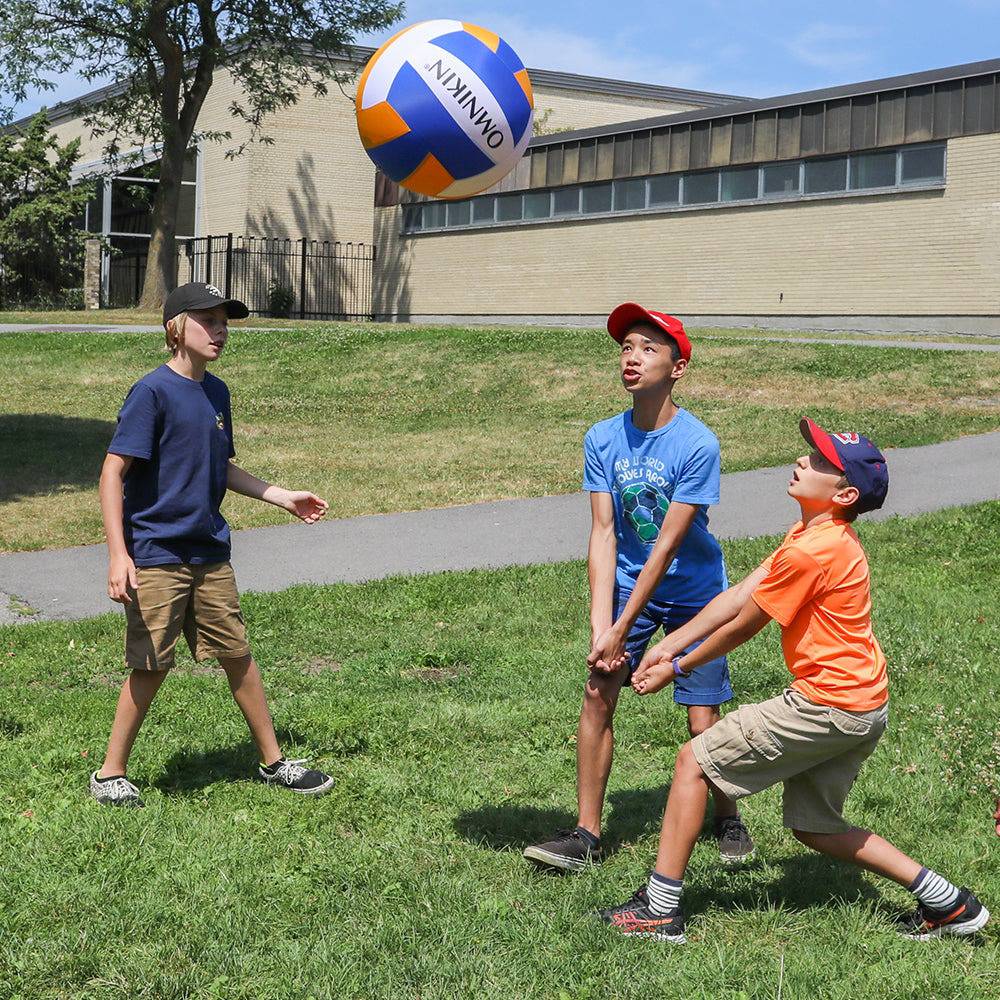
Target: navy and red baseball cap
{"x": 858, "y": 458}
{"x": 625, "y": 316}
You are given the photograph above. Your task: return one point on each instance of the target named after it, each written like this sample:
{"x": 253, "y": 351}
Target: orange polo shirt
{"x": 817, "y": 588}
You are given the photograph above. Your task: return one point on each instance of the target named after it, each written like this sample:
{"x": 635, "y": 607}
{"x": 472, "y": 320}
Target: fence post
{"x": 229, "y": 265}
{"x": 208, "y": 261}
{"x": 302, "y": 283}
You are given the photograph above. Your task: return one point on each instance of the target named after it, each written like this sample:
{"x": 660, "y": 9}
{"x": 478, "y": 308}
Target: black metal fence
{"x": 34, "y": 282}
{"x": 308, "y": 279}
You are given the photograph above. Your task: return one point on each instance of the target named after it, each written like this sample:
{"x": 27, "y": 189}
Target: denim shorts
{"x": 708, "y": 685}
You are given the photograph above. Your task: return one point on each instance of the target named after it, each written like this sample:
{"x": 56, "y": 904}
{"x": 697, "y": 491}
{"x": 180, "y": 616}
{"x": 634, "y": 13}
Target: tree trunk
{"x": 161, "y": 261}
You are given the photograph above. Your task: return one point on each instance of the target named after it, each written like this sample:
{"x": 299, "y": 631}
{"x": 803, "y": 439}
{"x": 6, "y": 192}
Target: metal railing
{"x": 308, "y": 279}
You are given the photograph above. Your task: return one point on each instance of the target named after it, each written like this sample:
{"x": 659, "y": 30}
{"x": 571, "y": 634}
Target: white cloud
{"x": 832, "y": 47}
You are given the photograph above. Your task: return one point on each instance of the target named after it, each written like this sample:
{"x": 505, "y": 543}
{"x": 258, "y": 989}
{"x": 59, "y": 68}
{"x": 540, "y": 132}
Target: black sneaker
{"x": 292, "y": 775}
{"x": 735, "y": 843}
{"x": 634, "y": 918}
{"x": 568, "y": 850}
{"x": 967, "y": 916}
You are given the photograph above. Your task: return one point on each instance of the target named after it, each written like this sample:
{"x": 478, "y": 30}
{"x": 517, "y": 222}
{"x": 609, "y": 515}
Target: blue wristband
{"x": 676, "y": 664}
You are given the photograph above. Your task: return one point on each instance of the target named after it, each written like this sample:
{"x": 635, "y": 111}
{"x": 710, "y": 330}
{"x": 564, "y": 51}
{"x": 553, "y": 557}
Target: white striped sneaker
{"x": 115, "y": 791}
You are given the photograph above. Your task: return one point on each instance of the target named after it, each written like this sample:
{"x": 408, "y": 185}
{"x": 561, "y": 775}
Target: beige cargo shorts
{"x": 816, "y": 751}
{"x": 200, "y": 601}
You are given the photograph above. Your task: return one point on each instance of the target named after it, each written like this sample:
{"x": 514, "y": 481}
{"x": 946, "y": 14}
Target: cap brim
{"x": 821, "y": 441}
{"x": 625, "y": 316}
{"x": 234, "y": 308}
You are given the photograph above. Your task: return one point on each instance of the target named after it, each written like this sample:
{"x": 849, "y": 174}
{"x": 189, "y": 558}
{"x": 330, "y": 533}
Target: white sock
{"x": 664, "y": 893}
{"x": 934, "y": 891}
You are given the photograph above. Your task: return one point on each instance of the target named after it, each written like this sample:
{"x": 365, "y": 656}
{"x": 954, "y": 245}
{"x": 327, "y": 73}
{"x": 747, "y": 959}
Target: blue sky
{"x": 751, "y": 48}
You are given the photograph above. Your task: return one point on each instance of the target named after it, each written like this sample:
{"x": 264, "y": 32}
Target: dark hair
{"x": 675, "y": 350}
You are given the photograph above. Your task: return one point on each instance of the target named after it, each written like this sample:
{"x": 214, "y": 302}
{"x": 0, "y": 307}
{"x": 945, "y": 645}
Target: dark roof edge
{"x": 540, "y": 77}
{"x": 773, "y": 103}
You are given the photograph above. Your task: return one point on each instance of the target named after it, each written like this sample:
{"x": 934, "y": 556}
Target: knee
{"x": 599, "y": 698}
{"x": 686, "y": 767}
{"x": 810, "y": 840}
{"x": 236, "y": 666}
{"x": 698, "y": 722}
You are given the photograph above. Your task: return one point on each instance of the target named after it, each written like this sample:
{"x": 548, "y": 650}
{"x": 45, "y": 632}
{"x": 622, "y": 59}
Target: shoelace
{"x": 289, "y": 771}
{"x": 121, "y": 788}
{"x": 731, "y": 829}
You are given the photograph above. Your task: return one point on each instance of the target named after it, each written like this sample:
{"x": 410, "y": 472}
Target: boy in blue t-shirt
{"x": 164, "y": 478}
{"x": 651, "y": 472}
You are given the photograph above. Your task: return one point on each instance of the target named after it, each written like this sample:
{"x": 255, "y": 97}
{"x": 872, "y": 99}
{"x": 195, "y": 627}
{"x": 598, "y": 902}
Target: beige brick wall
{"x": 571, "y": 109}
{"x": 926, "y": 253}
{"x": 316, "y": 180}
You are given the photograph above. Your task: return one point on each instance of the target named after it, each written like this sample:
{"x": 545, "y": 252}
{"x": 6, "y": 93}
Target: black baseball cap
{"x": 857, "y": 458}
{"x": 200, "y": 295}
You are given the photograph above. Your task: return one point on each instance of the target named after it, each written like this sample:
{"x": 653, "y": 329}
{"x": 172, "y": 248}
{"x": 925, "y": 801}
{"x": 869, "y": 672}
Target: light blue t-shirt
{"x": 644, "y": 471}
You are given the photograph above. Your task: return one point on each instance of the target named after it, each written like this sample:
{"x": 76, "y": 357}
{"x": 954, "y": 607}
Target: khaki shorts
{"x": 199, "y": 600}
{"x": 815, "y": 750}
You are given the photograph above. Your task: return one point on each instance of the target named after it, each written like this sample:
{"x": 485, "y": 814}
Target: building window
{"x": 849, "y": 175}
{"x": 740, "y": 184}
{"x": 826, "y": 175}
{"x": 596, "y": 198}
{"x": 781, "y": 179}
{"x": 873, "y": 170}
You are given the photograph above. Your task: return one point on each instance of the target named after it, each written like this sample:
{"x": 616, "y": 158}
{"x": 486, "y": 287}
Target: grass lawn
{"x": 389, "y": 418}
{"x": 446, "y": 706}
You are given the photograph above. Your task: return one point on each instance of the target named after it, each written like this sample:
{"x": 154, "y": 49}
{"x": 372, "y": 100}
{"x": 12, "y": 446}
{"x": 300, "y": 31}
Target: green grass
{"x": 446, "y": 706}
{"x": 389, "y": 418}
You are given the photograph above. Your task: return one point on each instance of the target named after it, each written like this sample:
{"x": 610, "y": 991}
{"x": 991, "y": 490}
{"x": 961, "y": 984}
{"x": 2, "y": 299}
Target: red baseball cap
{"x": 625, "y": 316}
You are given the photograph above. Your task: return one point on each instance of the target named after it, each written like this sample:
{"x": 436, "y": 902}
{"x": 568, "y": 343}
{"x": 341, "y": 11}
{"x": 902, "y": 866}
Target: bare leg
{"x": 866, "y": 850}
{"x": 683, "y": 816}
{"x": 248, "y": 690}
{"x": 595, "y": 743}
{"x": 136, "y": 696}
{"x": 700, "y": 718}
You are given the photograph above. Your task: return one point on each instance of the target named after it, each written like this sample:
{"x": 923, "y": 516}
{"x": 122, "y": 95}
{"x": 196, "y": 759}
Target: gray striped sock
{"x": 934, "y": 891}
{"x": 664, "y": 893}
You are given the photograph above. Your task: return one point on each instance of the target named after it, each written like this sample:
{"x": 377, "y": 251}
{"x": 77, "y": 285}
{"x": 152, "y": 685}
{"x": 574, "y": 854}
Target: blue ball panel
{"x": 494, "y": 73}
{"x": 412, "y": 99}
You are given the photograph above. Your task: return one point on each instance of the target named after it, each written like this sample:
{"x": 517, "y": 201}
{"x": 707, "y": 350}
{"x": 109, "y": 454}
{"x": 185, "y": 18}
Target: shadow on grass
{"x": 43, "y": 452}
{"x": 10, "y": 729}
{"x": 189, "y": 771}
{"x": 634, "y": 813}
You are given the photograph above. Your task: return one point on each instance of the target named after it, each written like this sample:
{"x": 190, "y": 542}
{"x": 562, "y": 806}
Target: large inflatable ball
{"x": 445, "y": 108}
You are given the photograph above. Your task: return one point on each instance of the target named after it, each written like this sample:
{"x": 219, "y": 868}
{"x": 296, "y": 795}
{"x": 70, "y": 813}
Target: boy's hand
{"x": 654, "y": 675}
{"x": 121, "y": 576}
{"x": 607, "y": 652}
{"x": 302, "y": 504}
{"x": 658, "y": 658}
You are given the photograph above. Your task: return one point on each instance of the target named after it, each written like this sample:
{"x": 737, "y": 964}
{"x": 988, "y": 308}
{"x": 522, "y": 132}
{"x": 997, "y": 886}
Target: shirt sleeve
{"x": 594, "y": 478}
{"x": 794, "y": 579}
{"x": 701, "y": 476}
{"x": 135, "y": 435}
{"x": 766, "y": 564}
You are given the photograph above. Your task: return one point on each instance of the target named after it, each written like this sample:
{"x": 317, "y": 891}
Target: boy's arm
{"x": 601, "y": 555}
{"x": 609, "y": 646}
{"x": 301, "y": 503}
{"x": 121, "y": 569}
{"x": 750, "y": 620}
{"x": 721, "y": 610}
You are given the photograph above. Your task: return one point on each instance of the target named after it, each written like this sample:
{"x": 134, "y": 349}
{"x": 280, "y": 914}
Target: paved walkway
{"x": 69, "y": 583}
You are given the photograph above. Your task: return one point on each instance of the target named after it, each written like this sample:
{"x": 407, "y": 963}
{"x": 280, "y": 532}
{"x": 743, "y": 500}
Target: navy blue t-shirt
{"x": 180, "y": 434}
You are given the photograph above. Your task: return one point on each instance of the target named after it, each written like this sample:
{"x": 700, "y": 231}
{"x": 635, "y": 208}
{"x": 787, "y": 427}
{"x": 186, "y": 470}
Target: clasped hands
{"x": 608, "y": 655}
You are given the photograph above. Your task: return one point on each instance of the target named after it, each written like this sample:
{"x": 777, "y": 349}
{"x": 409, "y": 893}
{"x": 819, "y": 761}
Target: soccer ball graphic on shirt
{"x": 445, "y": 108}
{"x": 645, "y": 507}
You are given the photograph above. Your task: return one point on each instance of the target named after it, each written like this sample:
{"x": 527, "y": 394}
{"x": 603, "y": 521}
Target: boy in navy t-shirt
{"x": 164, "y": 478}
{"x": 652, "y": 471}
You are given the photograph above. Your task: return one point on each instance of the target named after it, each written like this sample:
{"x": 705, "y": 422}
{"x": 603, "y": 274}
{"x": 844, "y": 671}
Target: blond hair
{"x": 174, "y": 336}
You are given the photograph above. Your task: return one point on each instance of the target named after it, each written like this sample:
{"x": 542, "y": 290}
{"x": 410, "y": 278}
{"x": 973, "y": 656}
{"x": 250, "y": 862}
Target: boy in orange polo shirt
{"x": 815, "y": 736}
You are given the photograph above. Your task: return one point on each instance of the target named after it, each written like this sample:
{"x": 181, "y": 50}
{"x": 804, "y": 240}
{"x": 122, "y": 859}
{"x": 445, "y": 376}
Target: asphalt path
{"x": 70, "y": 583}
